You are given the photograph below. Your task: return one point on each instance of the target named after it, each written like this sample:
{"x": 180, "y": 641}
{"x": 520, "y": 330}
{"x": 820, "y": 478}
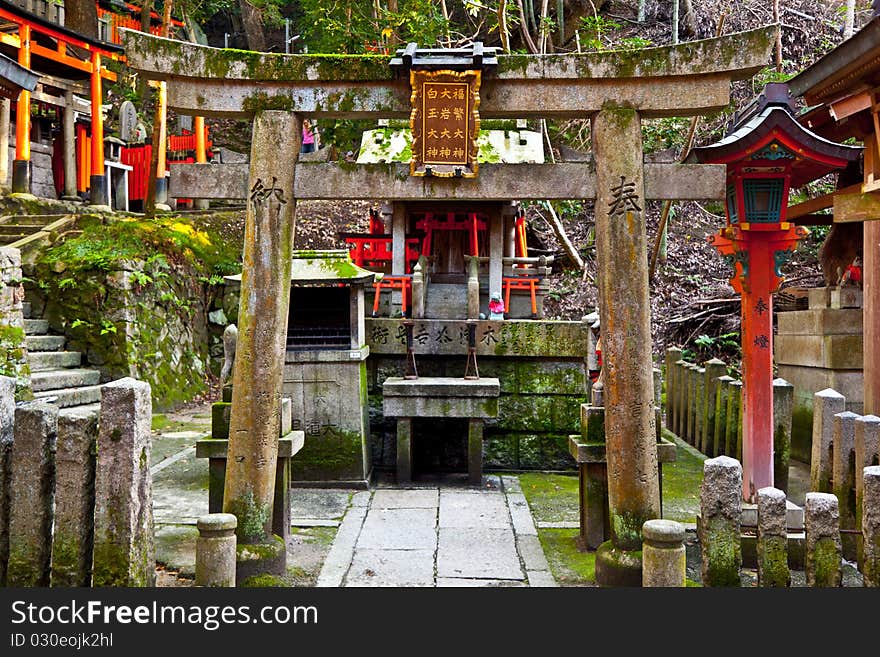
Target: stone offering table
{"x": 446, "y": 397}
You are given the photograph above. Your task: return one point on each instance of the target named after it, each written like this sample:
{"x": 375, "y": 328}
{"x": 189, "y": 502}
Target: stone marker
{"x": 31, "y": 494}
{"x": 720, "y": 513}
{"x": 871, "y": 526}
{"x": 673, "y": 355}
{"x": 783, "y": 402}
{"x": 624, "y": 303}
{"x": 823, "y": 555}
{"x": 772, "y": 539}
{"x": 826, "y": 404}
{"x": 722, "y": 392}
{"x": 714, "y": 369}
{"x": 74, "y": 498}
{"x": 215, "y": 550}
{"x": 690, "y": 407}
{"x": 732, "y": 433}
{"x": 867, "y": 453}
{"x": 680, "y": 398}
{"x": 700, "y": 409}
{"x": 262, "y": 321}
{"x": 663, "y": 554}
{"x": 230, "y": 343}
{"x": 7, "y": 417}
{"x": 124, "y": 552}
{"x": 843, "y": 477}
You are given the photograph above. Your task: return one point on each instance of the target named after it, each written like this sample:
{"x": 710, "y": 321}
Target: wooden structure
{"x": 767, "y": 154}
{"x": 843, "y": 90}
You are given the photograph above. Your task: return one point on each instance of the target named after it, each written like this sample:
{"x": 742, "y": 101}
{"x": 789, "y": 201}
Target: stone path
{"x": 438, "y": 535}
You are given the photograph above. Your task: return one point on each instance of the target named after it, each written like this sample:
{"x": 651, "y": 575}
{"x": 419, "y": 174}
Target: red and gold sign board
{"x": 445, "y": 123}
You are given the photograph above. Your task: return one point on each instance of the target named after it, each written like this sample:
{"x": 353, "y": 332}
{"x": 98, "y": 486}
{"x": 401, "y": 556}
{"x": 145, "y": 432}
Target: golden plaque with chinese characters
{"x": 445, "y": 123}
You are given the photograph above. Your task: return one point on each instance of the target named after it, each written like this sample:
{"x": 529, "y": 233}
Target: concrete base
{"x": 263, "y": 559}
{"x": 618, "y": 567}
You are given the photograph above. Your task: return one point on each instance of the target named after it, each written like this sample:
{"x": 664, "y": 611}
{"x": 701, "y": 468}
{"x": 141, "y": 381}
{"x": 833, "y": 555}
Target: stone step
{"x": 31, "y": 219}
{"x": 66, "y": 397}
{"x": 15, "y": 229}
{"x": 26, "y": 309}
{"x": 13, "y": 237}
{"x": 45, "y": 343}
{"x": 36, "y": 326}
{"x": 41, "y": 361}
{"x": 56, "y": 379}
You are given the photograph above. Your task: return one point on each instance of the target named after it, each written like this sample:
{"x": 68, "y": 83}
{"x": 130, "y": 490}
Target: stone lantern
{"x": 767, "y": 154}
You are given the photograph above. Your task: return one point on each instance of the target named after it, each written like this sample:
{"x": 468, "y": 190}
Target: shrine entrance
{"x": 615, "y": 90}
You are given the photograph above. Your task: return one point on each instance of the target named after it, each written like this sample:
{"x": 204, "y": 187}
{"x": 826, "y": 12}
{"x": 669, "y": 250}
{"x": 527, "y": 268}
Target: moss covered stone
{"x": 722, "y": 553}
{"x": 335, "y": 454}
{"x": 773, "y": 562}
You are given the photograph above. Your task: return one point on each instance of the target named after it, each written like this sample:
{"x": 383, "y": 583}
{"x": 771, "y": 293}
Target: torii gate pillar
{"x": 630, "y": 431}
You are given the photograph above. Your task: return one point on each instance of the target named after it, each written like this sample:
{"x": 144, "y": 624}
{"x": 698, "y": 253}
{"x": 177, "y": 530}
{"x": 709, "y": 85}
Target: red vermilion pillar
{"x": 201, "y": 154}
{"x": 757, "y": 251}
{"x": 97, "y": 181}
{"x": 21, "y": 170}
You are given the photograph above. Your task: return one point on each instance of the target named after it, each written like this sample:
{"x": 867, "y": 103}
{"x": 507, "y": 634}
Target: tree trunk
{"x": 849, "y": 19}
{"x": 82, "y": 16}
{"x": 252, "y": 20}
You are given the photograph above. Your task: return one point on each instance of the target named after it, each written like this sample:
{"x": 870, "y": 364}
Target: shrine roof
{"x": 851, "y": 65}
{"x": 317, "y": 267}
{"x": 813, "y": 156}
{"x": 14, "y": 78}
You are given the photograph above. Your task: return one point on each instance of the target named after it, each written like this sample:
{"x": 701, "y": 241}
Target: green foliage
{"x": 661, "y": 134}
{"x": 596, "y": 29}
{"x": 725, "y": 346}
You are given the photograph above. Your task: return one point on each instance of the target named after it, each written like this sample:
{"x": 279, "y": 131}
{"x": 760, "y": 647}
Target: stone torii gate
{"x": 614, "y": 89}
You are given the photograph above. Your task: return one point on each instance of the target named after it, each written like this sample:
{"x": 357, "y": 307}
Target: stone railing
{"x": 824, "y": 541}
{"x": 76, "y": 490}
{"x": 704, "y": 408}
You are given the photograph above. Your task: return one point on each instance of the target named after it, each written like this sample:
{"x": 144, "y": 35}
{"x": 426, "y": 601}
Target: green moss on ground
{"x": 551, "y": 497}
{"x": 569, "y": 566}
{"x": 681, "y": 483}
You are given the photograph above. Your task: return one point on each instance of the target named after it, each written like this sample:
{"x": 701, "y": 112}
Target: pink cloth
{"x": 308, "y": 137}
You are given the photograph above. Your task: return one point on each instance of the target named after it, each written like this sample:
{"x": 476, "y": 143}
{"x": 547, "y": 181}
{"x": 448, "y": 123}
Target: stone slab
{"x": 214, "y": 448}
{"x": 406, "y": 499}
{"x": 823, "y": 321}
{"x": 473, "y": 510}
{"x": 469, "y": 582}
{"x": 541, "y": 578}
{"x": 531, "y": 553}
{"x": 339, "y": 558}
{"x": 596, "y": 453}
{"x": 438, "y": 386}
{"x": 478, "y": 552}
{"x": 526, "y": 338}
{"x": 521, "y": 515}
{"x": 399, "y": 529}
{"x": 374, "y": 567}
{"x": 417, "y": 407}
{"x": 839, "y": 352}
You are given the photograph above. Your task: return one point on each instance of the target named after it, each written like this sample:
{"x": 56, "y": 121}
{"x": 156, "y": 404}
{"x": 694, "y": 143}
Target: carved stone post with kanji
{"x": 630, "y": 433}
{"x": 262, "y": 329}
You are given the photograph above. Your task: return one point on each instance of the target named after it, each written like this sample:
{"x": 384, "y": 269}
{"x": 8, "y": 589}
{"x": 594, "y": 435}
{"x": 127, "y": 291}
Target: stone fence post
{"x": 824, "y": 553}
{"x": 31, "y": 494}
{"x": 826, "y": 404}
{"x": 73, "y": 536}
{"x": 867, "y": 453}
{"x": 663, "y": 554}
{"x": 124, "y": 553}
{"x": 673, "y": 355}
{"x": 714, "y": 368}
{"x": 215, "y": 550}
{"x": 871, "y": 526}
{"x": 733, "y": 444}
{"x": 843, "y": 477}
{"x": 720, "y": 517}
{"x": 13, "y": 348}
{"x": 722, "y": 392}
{"x": 772, "y": 539}
{"x": 783, "y": 402}
{"x": 7, "y": 419}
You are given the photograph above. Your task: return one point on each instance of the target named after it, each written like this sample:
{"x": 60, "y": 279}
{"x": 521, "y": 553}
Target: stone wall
{"x": 542, "y": 370}
{"x": 821, "y": 348}
{"x": 154, "y": 321}
{"x": 13, "y": 349}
